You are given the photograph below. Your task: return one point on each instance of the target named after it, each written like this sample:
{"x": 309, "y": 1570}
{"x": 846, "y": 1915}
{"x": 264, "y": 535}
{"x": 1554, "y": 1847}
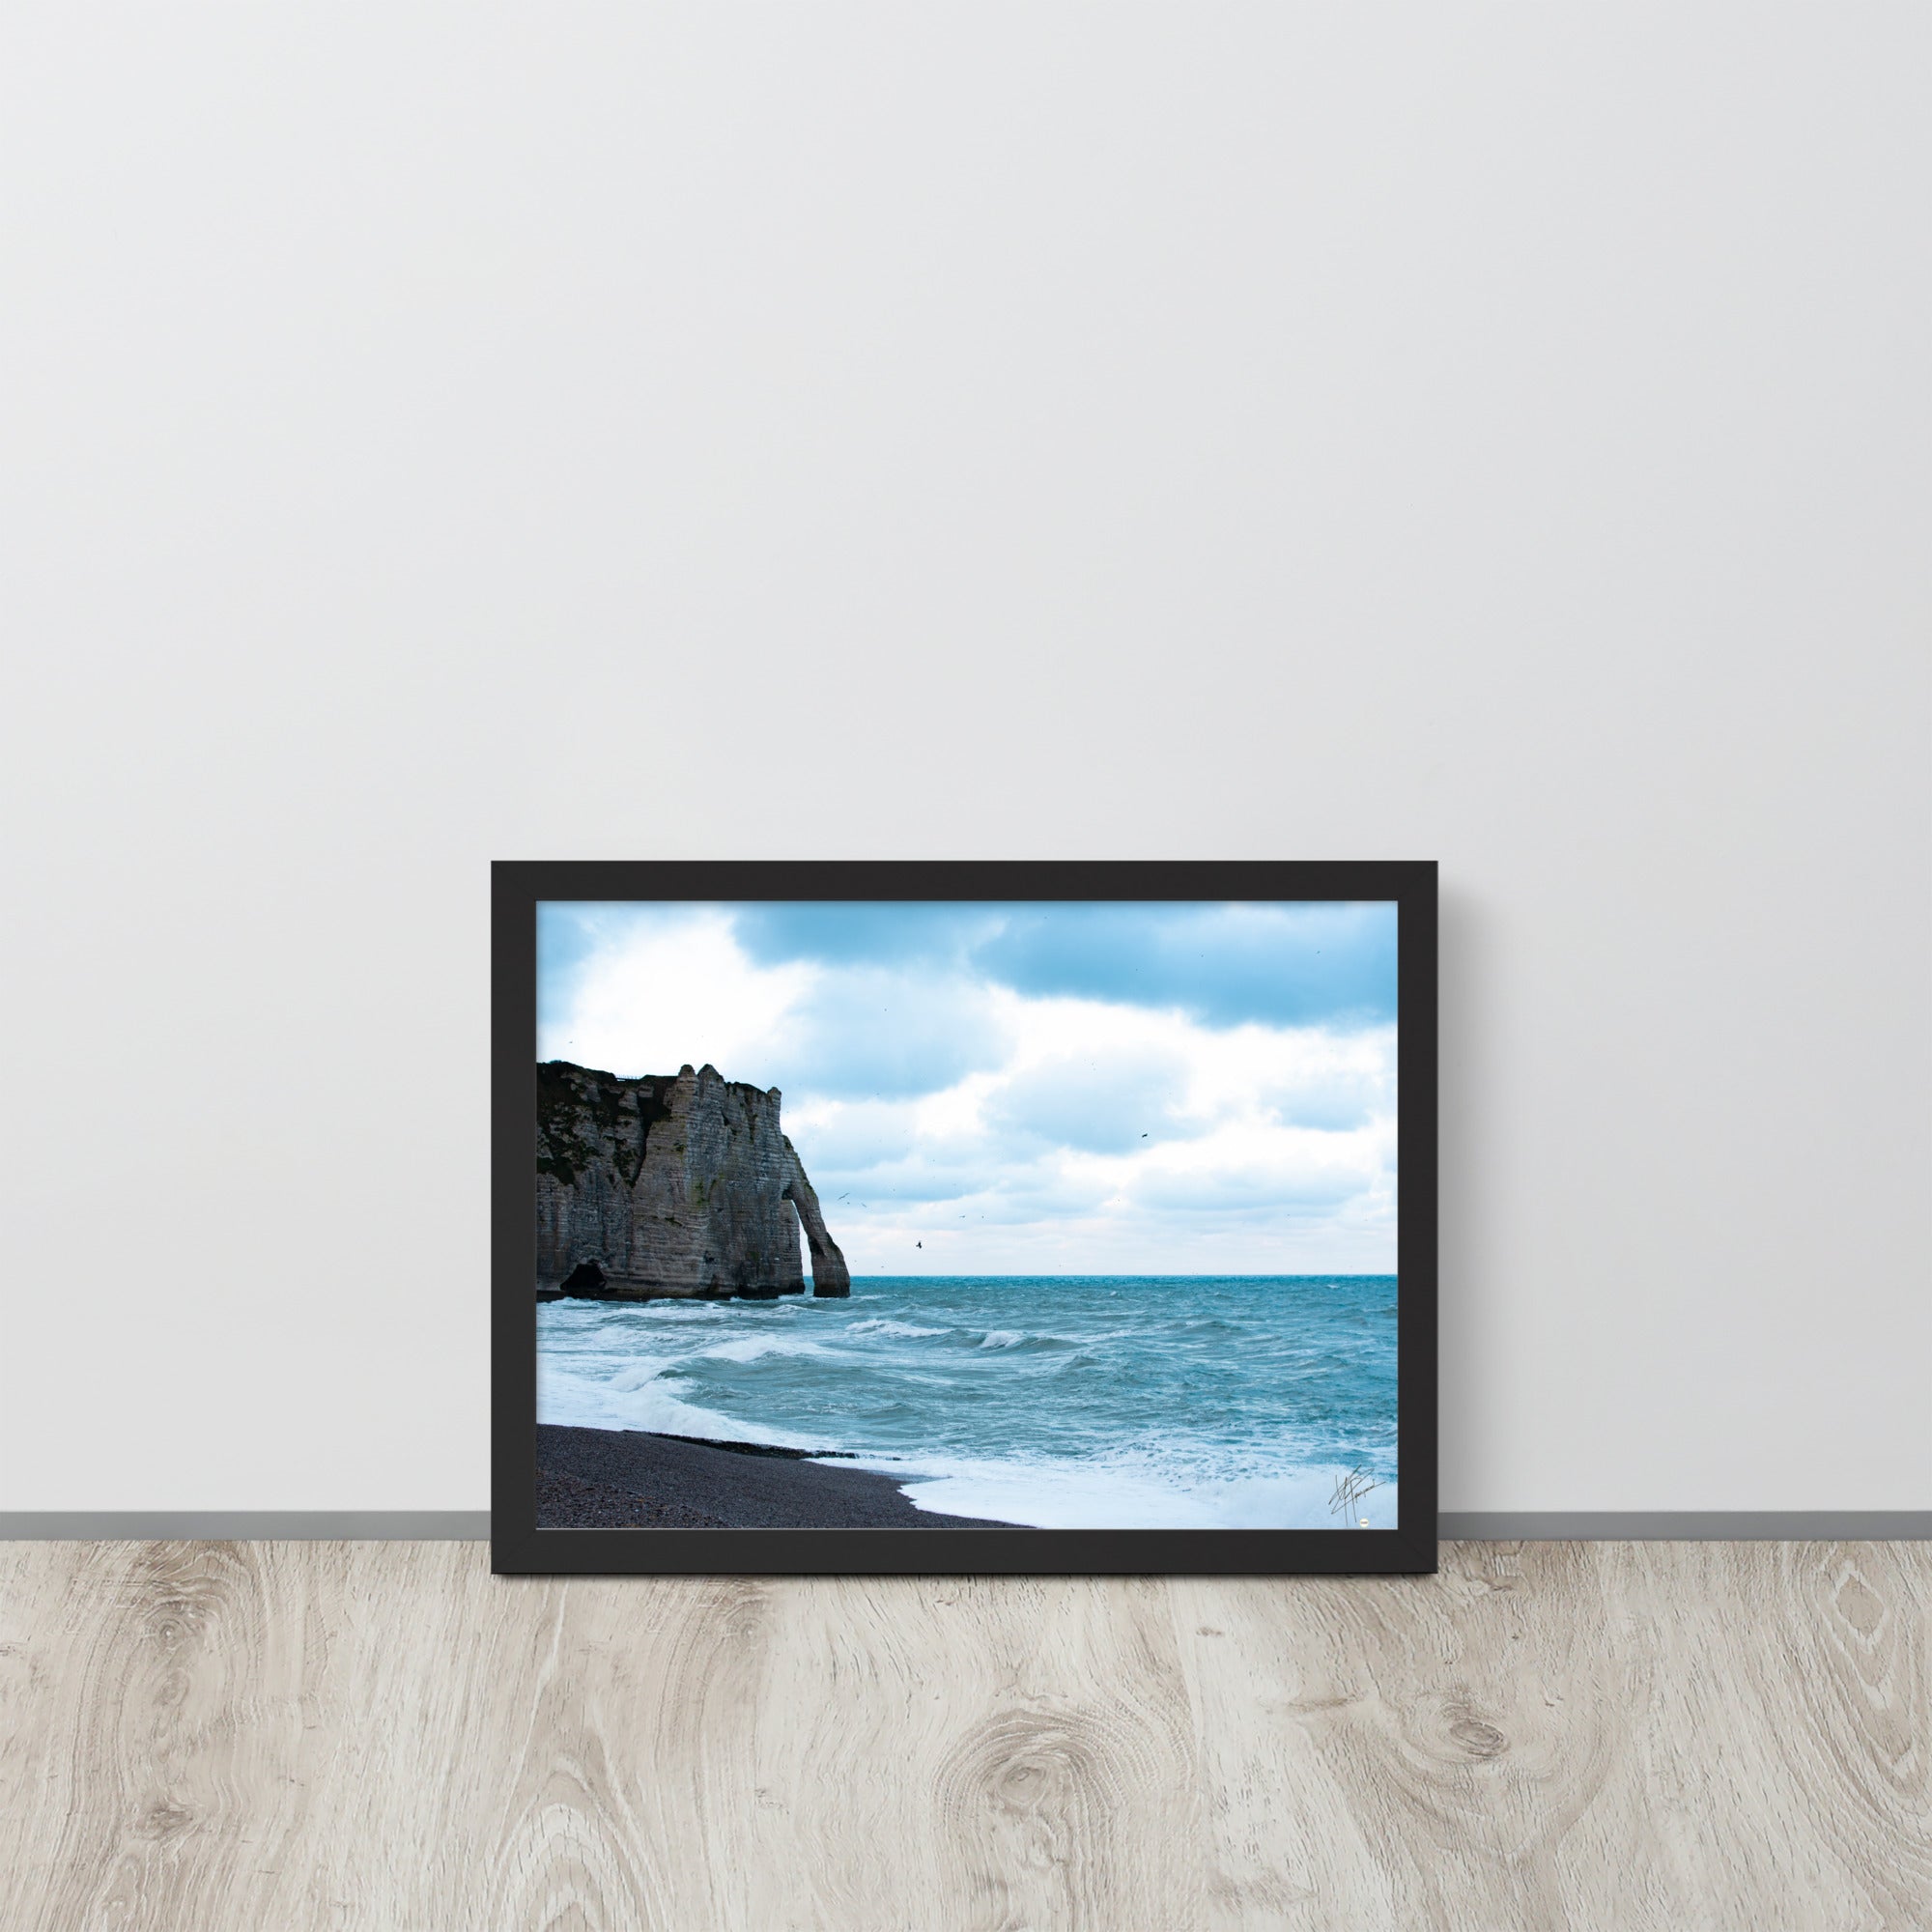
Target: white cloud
{"x": 1083, "y": 1136}
{"x": 656, "y": 995}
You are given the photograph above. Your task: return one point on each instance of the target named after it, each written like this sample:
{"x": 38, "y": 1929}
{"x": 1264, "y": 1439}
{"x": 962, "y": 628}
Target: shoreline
{"x": 631, "y": 1478}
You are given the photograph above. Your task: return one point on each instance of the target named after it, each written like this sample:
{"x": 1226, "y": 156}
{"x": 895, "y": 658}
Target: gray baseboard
{"x": 1454, "y": 1526}
{"x": 246, "y": 1525}
{"x": 1685, "y": 1525}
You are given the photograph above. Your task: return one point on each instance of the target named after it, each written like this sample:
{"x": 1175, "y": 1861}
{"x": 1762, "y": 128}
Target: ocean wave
{"x": 1185, "y": 1406}
{"x": 755, "y": 1347}
{"x": 636, "y": 1370}
{"x": 1030, "y": 1344}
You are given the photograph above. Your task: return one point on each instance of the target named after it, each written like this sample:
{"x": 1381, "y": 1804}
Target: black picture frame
{"x": 519, "y": 1547}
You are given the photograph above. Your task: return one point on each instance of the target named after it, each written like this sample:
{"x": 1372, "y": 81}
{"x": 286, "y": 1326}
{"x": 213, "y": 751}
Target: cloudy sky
{"x": 1029, "y": 1089}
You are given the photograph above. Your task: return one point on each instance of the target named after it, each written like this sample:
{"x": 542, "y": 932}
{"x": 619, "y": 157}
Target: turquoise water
{"x": 1083, "y": 1402}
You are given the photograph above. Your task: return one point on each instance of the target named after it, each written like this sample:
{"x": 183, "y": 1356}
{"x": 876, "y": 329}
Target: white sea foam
{"x": 586, "y": 1393}
{"x": 752, "y": 1348}
{"x": 1003, "y": 1337}
{"x": 879, "y": 1324}
{"x": 1048, "y": 1493}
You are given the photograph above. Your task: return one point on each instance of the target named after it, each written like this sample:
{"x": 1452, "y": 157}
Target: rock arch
{"x": 830, "y": 1275}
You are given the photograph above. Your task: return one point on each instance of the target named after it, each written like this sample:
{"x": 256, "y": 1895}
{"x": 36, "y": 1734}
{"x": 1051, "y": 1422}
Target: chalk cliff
{"x": 671, "y": 1184}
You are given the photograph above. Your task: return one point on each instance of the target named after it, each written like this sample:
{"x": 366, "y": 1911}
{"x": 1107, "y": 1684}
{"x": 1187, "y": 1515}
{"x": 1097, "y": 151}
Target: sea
{"x": 1066, "y": 1402}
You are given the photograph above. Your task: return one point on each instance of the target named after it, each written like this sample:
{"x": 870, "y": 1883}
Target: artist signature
{"x": 1351, "y": 1488}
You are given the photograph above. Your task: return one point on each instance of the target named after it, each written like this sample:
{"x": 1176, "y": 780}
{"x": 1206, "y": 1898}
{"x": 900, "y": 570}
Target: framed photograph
{"x": 964, "y": 1217}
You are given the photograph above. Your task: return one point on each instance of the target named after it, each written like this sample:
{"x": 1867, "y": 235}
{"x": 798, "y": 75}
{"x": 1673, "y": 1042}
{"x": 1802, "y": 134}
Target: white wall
{"x": 1490, "y": 433}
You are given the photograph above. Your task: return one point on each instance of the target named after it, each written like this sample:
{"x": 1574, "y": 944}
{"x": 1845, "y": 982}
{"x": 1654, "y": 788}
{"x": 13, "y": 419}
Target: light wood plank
{"x": 195, "y": 1737}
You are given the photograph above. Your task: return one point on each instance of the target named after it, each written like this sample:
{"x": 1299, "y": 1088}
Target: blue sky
{"x": 1030, "y": 1088}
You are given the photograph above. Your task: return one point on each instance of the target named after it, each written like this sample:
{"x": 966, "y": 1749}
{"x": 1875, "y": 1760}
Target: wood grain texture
{"x": 273, "y": 1737}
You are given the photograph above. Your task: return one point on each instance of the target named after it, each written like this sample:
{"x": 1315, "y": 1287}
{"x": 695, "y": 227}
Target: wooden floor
{"x": 273, "y": 1737}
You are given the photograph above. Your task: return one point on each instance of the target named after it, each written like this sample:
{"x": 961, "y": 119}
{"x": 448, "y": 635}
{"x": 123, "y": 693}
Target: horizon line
{"x": 1157, "y": 1275}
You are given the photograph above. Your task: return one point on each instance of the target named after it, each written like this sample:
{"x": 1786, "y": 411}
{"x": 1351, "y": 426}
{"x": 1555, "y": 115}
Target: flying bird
{"x": 919, "y": 1244}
